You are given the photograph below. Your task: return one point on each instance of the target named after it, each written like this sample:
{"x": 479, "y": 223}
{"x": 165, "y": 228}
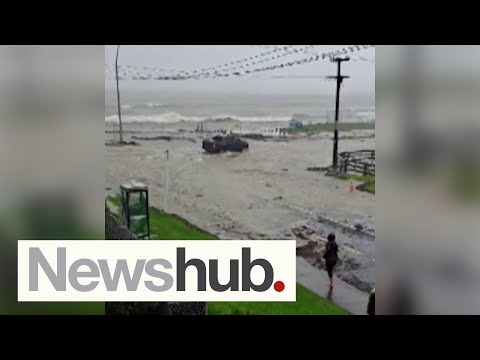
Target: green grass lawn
{"x": 307, "y": 303}
{"x": 170, "y": 227}
{"x": 321, "y": 128}
{"x": 165, "y": 226}
{"x": 368, "y": 181}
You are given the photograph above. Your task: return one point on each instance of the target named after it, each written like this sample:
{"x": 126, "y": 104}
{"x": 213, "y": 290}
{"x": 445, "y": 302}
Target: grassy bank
{"x": 166, "y": 226}
{"x": 329, "y": 127}
{"x": 368, "y": 182}
{"x": 307, "y": 303}
{"x": 171, "y": 227}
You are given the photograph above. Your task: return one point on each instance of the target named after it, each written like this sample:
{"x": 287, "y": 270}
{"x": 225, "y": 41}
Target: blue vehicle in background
{"x": 296, "y": 124}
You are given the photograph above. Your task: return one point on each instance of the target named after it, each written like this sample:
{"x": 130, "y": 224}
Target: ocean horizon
{"x": 150, "y": 104}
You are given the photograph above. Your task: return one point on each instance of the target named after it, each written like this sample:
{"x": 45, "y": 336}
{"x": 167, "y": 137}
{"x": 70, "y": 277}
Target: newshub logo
{"x": 156, "y": 271}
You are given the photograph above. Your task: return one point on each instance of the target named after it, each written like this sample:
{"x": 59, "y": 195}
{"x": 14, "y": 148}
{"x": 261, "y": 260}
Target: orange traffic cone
{"x": 351, "y": 188}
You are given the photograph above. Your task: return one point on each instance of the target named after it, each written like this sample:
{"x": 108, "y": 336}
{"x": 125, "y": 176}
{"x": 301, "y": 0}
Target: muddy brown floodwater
{"x": 264, "y": 193}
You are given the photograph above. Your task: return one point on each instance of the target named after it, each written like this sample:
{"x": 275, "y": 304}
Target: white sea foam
{"x": 173, "y": 117}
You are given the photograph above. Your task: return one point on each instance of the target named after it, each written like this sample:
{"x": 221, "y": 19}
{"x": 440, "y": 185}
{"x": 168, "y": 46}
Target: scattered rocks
{"x": 180, "y": 308}
{"x": 284, "y": 170}
{"x": 278, "y": 198}
{"x": 269, "y": 186}
{"x": 229, "y": 227}
{"x": 350, "y": 264}
{"x": 300, "y": 235}
{"x": 346, "y": 228}
{"x": 353, "y": 279}
{"x": 136, "y": 308}
{"x": 359, "y": 227}
{"x": 144, "y": 138}
{"x": 308, "y": 252}
{"x": 303, "y": 232}
{"x": 156, "y": 308}
{"x": 122, "y": 143}
{"x": 164, "y": 138}
{"x": 256, "y": 137}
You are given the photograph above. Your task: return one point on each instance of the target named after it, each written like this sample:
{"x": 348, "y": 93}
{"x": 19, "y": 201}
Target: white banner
{"x": 150, "y": 271}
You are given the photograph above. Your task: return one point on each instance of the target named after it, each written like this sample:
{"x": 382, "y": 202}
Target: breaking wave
{"x": 173, "y": 117}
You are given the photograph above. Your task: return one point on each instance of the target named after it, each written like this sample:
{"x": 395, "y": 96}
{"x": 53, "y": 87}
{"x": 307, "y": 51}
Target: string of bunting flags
{"x": 134, "y": 73}
{"x": 278, "y": 52}
{"x": 241, "y": 67}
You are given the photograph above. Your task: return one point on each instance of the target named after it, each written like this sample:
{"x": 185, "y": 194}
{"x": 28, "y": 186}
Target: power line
{"x": 237, "y": 73}
{"x": 205, "y": 72}
{"x": 262, "y": 58}
{"x": 229, "y": 66}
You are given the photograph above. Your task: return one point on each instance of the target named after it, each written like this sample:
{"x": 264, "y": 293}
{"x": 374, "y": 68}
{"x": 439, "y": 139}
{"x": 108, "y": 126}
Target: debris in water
{"x": 359, "y": 227}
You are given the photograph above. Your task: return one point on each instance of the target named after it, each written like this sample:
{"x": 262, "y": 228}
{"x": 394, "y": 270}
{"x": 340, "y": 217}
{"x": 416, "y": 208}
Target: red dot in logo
{"x": 279, "y": 286}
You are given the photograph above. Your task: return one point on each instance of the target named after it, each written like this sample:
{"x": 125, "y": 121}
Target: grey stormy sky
{"x": 192, "y": 57}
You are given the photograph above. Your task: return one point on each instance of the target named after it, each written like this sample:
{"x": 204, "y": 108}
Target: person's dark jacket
{"x": 371, "y": 304}
{"x": 331, "y": 252}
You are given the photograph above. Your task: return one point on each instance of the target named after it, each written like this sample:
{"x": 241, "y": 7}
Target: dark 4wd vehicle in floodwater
{"x": 220, "y": 144}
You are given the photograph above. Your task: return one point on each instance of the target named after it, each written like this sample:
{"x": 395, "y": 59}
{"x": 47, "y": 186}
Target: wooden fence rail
{"x": 358, "y": 162}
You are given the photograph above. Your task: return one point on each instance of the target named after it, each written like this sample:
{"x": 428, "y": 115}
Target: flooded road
{"x": 264, "y": 193}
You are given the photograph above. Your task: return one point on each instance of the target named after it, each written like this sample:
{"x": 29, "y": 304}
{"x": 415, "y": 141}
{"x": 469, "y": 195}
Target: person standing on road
{"x": 331, "y": 257}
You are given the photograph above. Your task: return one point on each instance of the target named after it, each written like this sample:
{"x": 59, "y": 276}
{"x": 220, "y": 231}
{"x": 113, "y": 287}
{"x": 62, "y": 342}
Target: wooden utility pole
{"x": 339, "y": 79}
{"x": 118, "y": 98}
